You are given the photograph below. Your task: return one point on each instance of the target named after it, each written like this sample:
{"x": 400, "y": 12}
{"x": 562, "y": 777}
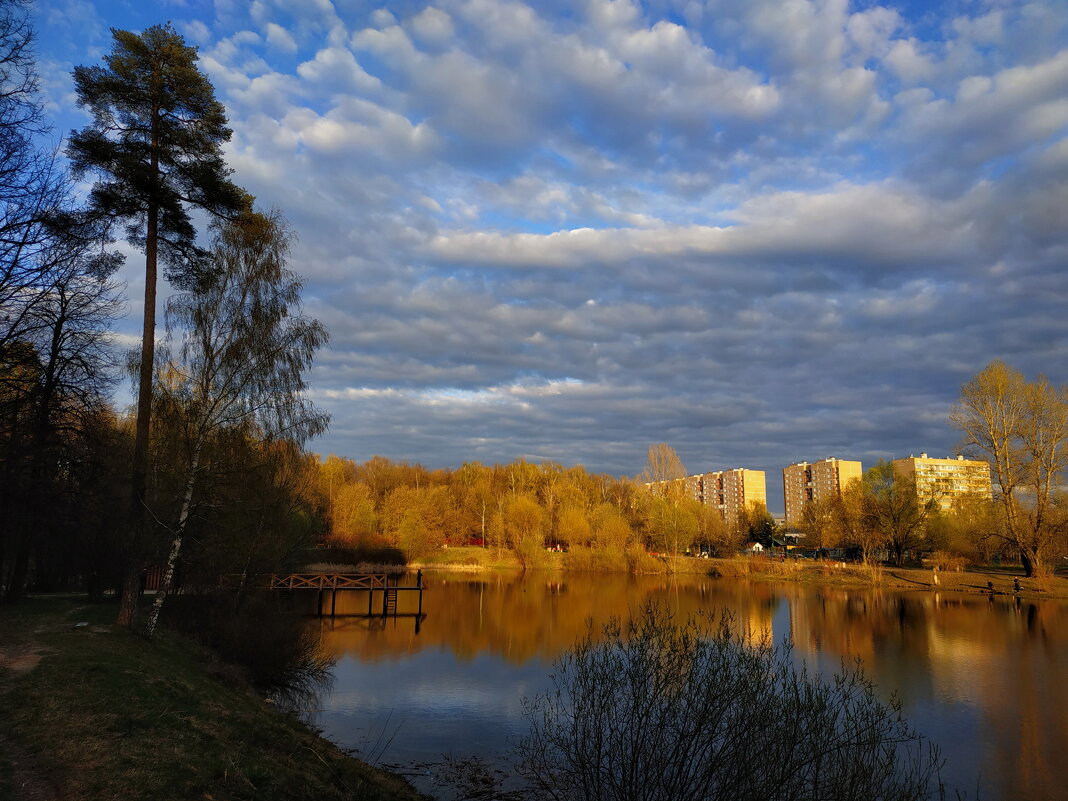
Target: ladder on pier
{"x": 390, "y": 603}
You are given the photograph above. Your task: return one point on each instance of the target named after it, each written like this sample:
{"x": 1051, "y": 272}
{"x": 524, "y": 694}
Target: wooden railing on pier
{"x": 333, "y": 583}
{"x": 327, "y": 581}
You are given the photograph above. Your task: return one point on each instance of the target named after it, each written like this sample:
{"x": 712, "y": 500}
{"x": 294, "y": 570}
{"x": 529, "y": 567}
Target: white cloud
{"x": 991, "y": 116}
{"x": 532, "y": 231}
{"x": 336, "y": 70}
{"x": 908, "y": 61}
{"x": 432, "y": 25}
{"x": 196, "y": 31}
{"x": 383, "y": 18}
{"x": 280, "y": 39}
{"x": 871, "y": 30}
{"x": 871, "y": 225}
{"x": 359, "y": 126}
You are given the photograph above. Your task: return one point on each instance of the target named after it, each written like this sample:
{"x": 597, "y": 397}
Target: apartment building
{"x": 728, "y": 491}
{"x": 693, "y": 488}
{"x": 804, "y": 482}
{"x": 731, "y": 491}
{"x": 946, "y": 480}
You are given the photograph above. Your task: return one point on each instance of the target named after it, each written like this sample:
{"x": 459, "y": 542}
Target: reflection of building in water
{"x": 804, "y": 482}
{"x": 960, "y": 665}
{"x": 841, "y": 623}
{"x": 946, "y": 480}
{"x": 986, "y": 679}
{"x": 993, "y": 668}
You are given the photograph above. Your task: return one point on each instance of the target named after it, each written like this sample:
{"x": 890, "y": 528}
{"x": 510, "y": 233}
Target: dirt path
{"x": 19, "y": 658}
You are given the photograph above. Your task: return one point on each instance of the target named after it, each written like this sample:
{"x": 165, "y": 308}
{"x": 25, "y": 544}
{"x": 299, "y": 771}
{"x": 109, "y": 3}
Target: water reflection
{"x": 985, "y": 678}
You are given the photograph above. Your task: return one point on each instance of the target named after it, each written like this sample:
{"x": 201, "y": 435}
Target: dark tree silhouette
{"x": 244, "y": 352}
{"x": 156, "y": 144}
{"x": 658, "y": 710}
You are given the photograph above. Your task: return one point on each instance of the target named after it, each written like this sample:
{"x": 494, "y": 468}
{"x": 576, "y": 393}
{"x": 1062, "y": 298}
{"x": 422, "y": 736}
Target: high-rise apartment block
{"x": 731, "y": 491}
{"x": 694, "y": 488}
{"x": 804, "y": 482}
{"x": 946, "y": 480}
{"x": 728, "y": 491}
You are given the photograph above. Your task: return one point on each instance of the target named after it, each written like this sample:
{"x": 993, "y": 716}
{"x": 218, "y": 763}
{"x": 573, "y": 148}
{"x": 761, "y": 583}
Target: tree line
{"x": 1019, "y": 427}
{"x": 521, "y": 507}
{"x": 524, "y": 508}
{"x": 209, "y": 471}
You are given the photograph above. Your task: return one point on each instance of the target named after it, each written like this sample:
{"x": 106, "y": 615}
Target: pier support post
{"x": 419, "y": 584}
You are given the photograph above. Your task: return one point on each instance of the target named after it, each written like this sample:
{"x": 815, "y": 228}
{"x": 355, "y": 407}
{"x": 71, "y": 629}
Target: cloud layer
{"x": 759, "y": 230}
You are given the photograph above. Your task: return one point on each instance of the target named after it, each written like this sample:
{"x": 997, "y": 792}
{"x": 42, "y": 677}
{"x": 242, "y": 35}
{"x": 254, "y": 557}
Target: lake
{"x": 986, "y": 679}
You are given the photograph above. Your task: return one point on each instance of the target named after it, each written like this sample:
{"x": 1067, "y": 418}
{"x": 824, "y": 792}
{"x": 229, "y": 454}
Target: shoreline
{"x": 972, "y": 580}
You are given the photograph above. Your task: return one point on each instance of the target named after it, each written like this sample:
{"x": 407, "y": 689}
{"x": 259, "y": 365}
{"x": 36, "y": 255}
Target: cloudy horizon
{"x": 761, "y": 231}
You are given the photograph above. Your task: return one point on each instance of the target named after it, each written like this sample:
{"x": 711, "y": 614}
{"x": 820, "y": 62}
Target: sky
{"x": 761, "y": 231}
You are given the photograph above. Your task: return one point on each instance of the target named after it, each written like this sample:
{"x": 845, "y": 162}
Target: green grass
{"x": 106, "y": 714}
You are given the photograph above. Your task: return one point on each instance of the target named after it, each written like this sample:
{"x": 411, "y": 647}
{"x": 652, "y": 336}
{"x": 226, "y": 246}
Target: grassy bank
{"x": 582, "y": 560}
{"x": 975, "y": 579}
{"x": 971, "y": 580}
{"x": 90, "y": 711}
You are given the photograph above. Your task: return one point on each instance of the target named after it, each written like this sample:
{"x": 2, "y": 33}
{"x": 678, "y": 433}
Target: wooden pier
{"x": 334, "y": 583}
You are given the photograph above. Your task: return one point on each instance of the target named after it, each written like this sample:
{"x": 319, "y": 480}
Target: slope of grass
{"x": 106, "y": 714}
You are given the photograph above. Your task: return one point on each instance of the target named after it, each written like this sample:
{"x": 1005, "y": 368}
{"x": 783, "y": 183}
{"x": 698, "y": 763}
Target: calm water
{"x": 985, "y": 679}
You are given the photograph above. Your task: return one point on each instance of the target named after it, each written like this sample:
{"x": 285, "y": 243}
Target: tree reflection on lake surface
{"x": 987, "y": 679}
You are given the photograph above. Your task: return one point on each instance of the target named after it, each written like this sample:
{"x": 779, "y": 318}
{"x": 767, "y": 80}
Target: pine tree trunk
{"x": 132, "y": 583}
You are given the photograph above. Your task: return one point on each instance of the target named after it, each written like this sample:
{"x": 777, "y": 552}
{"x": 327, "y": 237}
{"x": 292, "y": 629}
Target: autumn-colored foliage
{"x": 522, "y": 509}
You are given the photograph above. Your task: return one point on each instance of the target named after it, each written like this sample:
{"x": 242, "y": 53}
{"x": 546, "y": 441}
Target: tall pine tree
{"x": 156, "y": 144}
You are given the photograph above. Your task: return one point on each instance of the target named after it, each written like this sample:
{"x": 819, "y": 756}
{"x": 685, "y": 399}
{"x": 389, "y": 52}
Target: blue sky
{"x": 762, "y": 231}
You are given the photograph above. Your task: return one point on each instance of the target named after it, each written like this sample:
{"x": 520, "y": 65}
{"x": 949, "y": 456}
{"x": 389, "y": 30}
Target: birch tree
{"x": 244, "y": 351}
{"x": 155, "y": 142}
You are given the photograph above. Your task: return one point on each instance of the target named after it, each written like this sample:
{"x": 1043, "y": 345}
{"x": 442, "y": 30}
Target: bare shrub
{"x": 640, "y": 562}
{"x": 946, "y": 561}
{"x": 657, "y": 710}
{"x": 874, "y": 572}
{"x": 595, "y": 560}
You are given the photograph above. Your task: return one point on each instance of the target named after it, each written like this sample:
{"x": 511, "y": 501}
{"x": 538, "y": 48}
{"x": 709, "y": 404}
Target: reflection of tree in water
{"x": 521, "y": 617}
{"x": 1004, "y": 660}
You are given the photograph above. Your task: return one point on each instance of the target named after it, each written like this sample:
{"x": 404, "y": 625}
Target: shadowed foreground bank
{"x": 90, "y": 711}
